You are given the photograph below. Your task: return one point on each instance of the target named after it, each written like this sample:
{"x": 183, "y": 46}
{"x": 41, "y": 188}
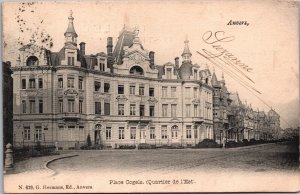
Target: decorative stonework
{"x": 137, "y": 58}
{"x": 71, "y": 92}
{"x": 196, "y": 101}
{"x": 121, "y": 98}
{"x": 152, "y": 100}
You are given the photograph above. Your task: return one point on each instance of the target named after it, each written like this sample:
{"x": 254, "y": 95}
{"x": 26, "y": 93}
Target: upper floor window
{"x": 164, "y": 91}
{"x": 132, "y": 90}
{"x": 71, "y": 60}
{"x": 195, "y": 92}
{"x": 106, "y": 87}
{"x": 151, "y": 91}
{"x": 80, "y": 83}
{"x": 23, "y": 83}
{"x": 188, "y": 92}
{"x": 120, "y": 89}
{"x": 195, "y": 74}
{"x": 40, "y": 82}
{"x": 173, "y": 91}
{"x": 97, "y": 86}
{"x": 121, "y": 109}
{"x": 32, "y": 83}
{"x": 141, "y": 90}
{"x": 60, "y": 82}
{"x": 169, "y": 73}
{"x": 32, "y": 61}
{"x": 142, "y": 110}
{"x": 71, "y": 104}
{"x": 136, "y": 70}
{"x": 102, "y": 66}
{"x": 70, "y": 82}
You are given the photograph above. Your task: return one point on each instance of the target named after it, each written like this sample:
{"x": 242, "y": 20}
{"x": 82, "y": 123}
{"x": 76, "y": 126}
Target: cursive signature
{"x": 224, "y": 59}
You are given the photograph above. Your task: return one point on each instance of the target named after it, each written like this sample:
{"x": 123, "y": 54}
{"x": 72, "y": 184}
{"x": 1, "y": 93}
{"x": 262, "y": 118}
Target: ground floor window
{"x": 26, "y": 133}
{"x": 38, "y": 134}
{"x": 133, "y": 133}
{"x": 188, "y": 132}
{"x": 121, "y": 133}
{"x": 152, "y": 133}
{"x": 164, "y": 132}
{"x": 108, "y": 132}
{"x": 195, "y": 132}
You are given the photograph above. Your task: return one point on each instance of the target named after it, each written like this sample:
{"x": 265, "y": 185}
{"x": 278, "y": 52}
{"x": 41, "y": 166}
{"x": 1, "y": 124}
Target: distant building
{"x": 221, "y": 108}
{"x": 121, "y": 97}
{"x": 7, "y": 83}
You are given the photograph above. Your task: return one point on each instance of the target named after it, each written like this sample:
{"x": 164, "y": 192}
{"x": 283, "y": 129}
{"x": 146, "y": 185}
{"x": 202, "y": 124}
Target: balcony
{"x": 70, "y": 116}
{"x": 139, "y": 119}
{"x": 198, "y": 120}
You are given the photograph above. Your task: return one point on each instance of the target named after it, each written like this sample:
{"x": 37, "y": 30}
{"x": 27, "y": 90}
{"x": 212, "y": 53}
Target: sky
{"x": 268, "y": 44}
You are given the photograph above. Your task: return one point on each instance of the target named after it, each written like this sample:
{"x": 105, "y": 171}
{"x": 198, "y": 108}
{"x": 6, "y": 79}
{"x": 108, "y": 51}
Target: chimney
{"x": 82, "y": 48}
{"x": 109, "y": 48}
{"x": 177, "y": 62}
{"x": 151, "y": 56}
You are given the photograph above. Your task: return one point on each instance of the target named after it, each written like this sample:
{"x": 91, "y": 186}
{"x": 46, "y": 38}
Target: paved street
{"x": 272, "y": 157}
{"x": 253, "y": 168}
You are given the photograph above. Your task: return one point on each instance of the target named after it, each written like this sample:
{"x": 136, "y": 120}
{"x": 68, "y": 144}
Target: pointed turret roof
{"x": 70, "y": 28}
{"x": 214, "y": 80}
{"x": 186, "y": 49}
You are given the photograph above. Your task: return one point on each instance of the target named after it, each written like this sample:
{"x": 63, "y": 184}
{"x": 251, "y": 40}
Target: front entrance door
{"x": 174, "y": 131}
{"x": 97, "y": 134}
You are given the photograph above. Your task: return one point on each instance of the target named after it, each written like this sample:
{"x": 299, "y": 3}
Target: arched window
{"x": 174, "y": 131}
{"x": 136, "y": 70}
{"x": 175, "y": 127}
{"x": 32, "y": 61}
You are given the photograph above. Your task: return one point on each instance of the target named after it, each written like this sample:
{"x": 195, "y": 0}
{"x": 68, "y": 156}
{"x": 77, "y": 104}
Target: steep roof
{"x": 185, "y": 70}
{"x": 214, "y": 81}
{"x": 125, "y": 39}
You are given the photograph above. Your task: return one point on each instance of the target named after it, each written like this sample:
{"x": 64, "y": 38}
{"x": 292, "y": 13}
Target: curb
{"x": 45, "y": 165}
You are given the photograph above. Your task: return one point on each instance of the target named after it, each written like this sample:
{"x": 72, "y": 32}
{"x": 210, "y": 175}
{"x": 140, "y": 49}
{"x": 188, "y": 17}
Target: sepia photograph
{"x": 150, "y": 96}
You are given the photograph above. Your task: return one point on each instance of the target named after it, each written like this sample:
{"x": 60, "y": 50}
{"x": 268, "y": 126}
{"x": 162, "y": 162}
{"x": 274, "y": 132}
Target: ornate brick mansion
{"x": 121, "y": 97}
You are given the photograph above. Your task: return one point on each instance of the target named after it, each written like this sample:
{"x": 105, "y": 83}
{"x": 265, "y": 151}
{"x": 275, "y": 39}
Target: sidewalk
{"x": 37, "y": 165}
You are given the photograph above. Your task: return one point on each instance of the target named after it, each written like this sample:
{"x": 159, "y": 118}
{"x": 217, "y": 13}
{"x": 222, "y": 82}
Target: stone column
{"x": 9, "y": 158}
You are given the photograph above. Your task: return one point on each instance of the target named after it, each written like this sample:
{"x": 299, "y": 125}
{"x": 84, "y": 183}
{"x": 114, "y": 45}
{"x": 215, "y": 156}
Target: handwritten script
{"x": 225, "y": 60}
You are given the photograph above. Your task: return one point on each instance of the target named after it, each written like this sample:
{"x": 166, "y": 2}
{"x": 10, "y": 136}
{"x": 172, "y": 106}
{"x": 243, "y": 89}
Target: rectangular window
{"x": 80, "y": 106}
{"x": 195, "y": 110}
{"x": 169, "y": 73}
{"x": 151, "y": 111}
{"x": 152, "y": 132}
{"x": 40, "y": 82}
{"x": 195, "y": 92}
{"x": 173, "y": 110}
{"x": 195, "y": 74}
{"x": 142, "y": 90}
{"x": 121, "y": 109}
{"x": 23, "y": 106}
{"x": 188, "y": 132}
{"x": 106, "y": 108}
{"x": 164, "y": 132}
{"x": 41, "y": 106}
{"x": 97, "y": 107}
{"x": 26, "y": 133}
{"x": 97, "y": 86}
{"x": 173, "y": 92}
{"x": 121, "y": 133}
{"x": 151, "y": 91}
{"x": 32, "y": 83}
{"x": 108, "y": 132}
{"x": 61, "y": 105}
{"x": 102, "y": 67}
{"x": 71, "y": 61}
{"x": 32, "y": 106}
{"x": 133, "y": 133}
{"x": 60, "y": 82}
{"x": 195, "y": 132}
{"x": 120, "y": 89}
{"x": 164, "y": 110}
{"x": 132, "y": 109}
{"x": 188, "y": 110}
{"x": 38, "y": 134}
{"x": 106, "y": 87}
{"x": 164, "y": 92}
{"x": 70, "y": 82}
{"x": 142, "y": 110}
{"x": 188, "y": 92}
{"x": 132, "y": 90}
{"x": 71, "y": 104}
{"x": 23, "y": 83}
{"x": 80, "y": 83}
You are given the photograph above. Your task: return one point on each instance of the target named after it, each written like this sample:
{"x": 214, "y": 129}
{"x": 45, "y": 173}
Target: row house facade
{"x": 121, "y": 97}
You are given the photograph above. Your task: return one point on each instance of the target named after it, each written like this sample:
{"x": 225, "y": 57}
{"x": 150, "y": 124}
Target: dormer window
{"x": 71, "y": 59}
{"x": 32, "y": 61}
{"x": 169, "y": 73}
{"x": 195, "y": 74}
{"x": 136, "y": 70}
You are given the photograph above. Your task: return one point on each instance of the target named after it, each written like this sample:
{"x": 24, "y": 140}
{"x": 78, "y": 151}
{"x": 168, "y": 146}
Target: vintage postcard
{"x": 150, "y": 96}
